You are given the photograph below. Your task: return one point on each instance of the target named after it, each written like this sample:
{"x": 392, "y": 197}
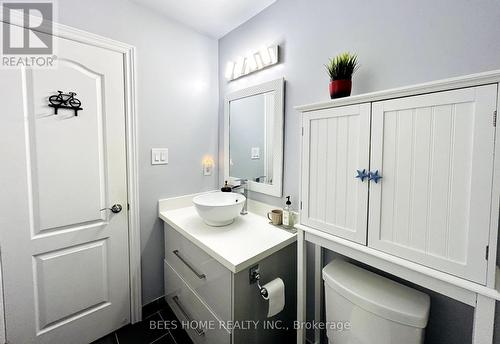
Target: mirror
{"x": 250, "y": 138}
{"x": 254, "y": 137}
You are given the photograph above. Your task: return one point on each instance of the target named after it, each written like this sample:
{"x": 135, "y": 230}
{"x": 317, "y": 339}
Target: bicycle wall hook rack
{"x": 65, "y": 101}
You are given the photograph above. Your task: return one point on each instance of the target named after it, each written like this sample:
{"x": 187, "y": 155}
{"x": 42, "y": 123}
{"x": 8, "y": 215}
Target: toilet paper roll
{"x": 275, "y": 296}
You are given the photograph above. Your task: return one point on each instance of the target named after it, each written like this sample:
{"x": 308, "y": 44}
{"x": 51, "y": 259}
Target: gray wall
{"x": 177, "y": 108}
{"x": 398, "y": 42}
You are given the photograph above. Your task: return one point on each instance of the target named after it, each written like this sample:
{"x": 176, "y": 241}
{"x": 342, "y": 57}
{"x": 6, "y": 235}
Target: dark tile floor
{"x": 142, "y": 333}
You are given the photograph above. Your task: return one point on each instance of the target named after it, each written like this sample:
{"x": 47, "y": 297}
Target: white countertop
{"x": 237, "y": 246}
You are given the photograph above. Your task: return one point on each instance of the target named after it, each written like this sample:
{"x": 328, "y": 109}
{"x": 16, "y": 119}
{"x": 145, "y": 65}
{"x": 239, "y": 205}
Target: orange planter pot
{"x": 340, "y": 88}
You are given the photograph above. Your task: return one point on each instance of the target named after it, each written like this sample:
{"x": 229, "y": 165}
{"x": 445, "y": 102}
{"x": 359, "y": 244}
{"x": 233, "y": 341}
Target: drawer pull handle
{"x": 200, "y": 276}
{"x": 199, "y": 331}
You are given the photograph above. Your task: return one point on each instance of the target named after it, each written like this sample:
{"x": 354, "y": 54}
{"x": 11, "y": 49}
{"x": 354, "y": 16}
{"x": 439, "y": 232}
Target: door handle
{"x": 182, "y": 259}
{"x": 179, "y": 305}
{"x": 115, "y": 208}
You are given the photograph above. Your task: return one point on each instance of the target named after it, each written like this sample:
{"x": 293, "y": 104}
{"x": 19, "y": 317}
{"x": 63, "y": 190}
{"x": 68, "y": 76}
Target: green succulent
{"x": 342, "y": 66}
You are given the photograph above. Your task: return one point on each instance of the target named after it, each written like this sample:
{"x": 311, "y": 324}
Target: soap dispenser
{"x": 288, "y": 214}
{"x": 226, "y": 188}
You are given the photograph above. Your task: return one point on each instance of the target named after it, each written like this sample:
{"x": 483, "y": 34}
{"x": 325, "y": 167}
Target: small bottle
{"x": 226, "y": 188}
{"x": 288, "y": 214}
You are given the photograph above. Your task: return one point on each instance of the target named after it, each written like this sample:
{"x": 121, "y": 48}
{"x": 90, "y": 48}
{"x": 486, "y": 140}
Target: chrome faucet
{"x": 244, "y": 190}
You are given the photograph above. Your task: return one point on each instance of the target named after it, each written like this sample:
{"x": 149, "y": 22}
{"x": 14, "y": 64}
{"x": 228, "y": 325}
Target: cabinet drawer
{"x": 189, "y": 308}
{"x": 207, "y": 277}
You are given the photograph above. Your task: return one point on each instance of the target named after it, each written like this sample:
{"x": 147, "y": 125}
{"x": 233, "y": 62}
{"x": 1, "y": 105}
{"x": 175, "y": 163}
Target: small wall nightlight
{"x": 208, "y": 166}
{"x": 252, "y": 62}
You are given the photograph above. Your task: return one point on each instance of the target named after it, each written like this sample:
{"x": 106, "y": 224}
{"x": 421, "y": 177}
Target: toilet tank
{"x": 365, "y": 308}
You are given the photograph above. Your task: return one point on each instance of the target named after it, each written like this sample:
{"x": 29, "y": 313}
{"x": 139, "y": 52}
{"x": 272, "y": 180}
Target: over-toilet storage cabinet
{"x": 434, "y": 153}
{"x": 406, "y": 180}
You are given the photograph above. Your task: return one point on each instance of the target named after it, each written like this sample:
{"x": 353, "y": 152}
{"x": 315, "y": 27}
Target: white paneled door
{"x": 336, "y": 146}
{"x": 435, "y": 154}
{"x": 65, "y": 260}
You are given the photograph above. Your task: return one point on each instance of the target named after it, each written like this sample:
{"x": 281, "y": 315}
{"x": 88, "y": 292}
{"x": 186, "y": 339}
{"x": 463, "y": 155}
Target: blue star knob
{"x": 375, "y": 176}
{"x": 362, "y": 175}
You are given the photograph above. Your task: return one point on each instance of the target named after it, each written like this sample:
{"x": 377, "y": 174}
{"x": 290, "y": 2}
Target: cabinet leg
{"x": 301, "y": 286}
{"x": 484, "y": 318}
{"x": 318, "y": 289}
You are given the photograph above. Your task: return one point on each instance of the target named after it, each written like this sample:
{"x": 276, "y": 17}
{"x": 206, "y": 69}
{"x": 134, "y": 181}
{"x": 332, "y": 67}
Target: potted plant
{"x": 341, "y": 68}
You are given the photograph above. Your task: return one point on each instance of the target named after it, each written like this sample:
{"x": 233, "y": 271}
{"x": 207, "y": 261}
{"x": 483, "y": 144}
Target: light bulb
{"x": 264, "y": 54}
{"x": 229, "y": 70}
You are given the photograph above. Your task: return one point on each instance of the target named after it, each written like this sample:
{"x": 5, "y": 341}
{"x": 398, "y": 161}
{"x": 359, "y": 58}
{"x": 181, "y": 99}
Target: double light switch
{"x": 159, "y": 156}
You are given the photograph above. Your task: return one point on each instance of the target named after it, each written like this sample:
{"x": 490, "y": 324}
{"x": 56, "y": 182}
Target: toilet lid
{"x": 377, "y": 294}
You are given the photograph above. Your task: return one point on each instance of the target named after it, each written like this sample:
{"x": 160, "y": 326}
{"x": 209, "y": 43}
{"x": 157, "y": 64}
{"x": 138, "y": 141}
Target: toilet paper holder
{"x": 254, "y": 276}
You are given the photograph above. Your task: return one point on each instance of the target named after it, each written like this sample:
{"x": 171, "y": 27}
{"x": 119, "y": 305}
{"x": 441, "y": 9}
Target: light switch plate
{"x": 159, "y": 156}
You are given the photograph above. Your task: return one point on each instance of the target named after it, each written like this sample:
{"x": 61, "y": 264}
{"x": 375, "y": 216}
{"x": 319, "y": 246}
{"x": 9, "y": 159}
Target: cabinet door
{"x": 336, "y": 145}
{"x": 435, "y": 154}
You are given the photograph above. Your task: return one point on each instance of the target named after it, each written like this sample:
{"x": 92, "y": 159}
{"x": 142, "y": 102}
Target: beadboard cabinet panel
{"x": 435, "y": 153}
{"x": 336, "y": 144}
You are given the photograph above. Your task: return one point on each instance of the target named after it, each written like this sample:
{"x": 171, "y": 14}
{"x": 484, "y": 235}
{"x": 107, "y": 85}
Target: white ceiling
{"x": 213, "y": 17}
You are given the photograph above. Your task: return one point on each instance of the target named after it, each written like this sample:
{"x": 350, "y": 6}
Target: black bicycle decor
{"x": 65, "y": 101}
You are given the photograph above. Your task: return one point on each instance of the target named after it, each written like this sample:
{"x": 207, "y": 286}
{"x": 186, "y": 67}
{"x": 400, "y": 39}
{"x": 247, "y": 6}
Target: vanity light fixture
{"x": 229, "y": 69}
{"x": 244, "y": 65}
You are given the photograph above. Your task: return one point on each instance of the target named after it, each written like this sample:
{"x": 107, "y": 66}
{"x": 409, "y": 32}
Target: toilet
{"x": 365, "y": 308}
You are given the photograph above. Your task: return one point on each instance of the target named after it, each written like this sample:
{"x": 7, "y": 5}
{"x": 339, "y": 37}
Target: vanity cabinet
{"x": 220, "y": 305}
{"x": 434, "y": 153}
{"x": 206, "y": 276}
{"x": 191, "y": 308}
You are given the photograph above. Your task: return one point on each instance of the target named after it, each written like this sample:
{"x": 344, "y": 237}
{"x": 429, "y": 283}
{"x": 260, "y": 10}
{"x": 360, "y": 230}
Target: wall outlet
{"x": 159, "y": 156}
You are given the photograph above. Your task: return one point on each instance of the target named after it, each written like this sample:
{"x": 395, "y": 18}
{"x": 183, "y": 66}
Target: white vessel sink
{"x": 219, "y": 208}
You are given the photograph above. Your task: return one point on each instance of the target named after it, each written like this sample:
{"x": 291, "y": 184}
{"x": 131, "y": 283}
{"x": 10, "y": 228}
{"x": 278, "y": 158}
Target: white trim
{"x": 77, "y": 35}
{"x": 495, "y": 205}
{"x": 301, "y": 255}
{"x": 301, "y": 285}
{"x": 318, "y": 289}
{"x": 484, "y": 320}
{"x": 129, "y": 58}
{"x": 491, "y": 77}
{"x": 276, "y": 188}
{"x": 452, "y": 286}
{"x": 132, "y": 128}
